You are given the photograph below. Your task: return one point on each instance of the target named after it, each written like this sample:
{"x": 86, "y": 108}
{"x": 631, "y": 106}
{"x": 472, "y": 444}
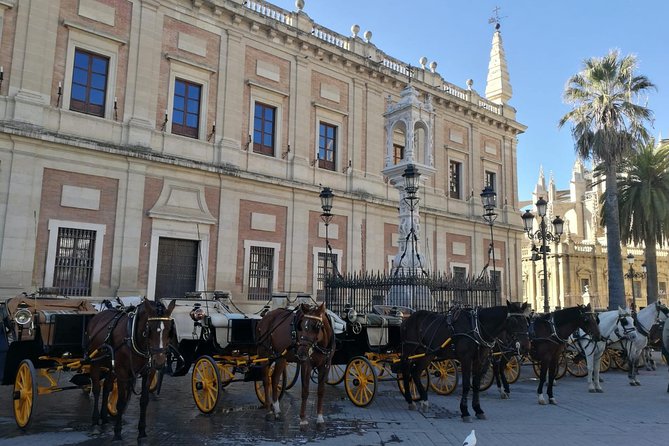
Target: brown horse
{"x": 303, "y": 335}
{"x": 549, "y": 333}
{"x": 127, "y": 344}
{"x": 467, "y": 335}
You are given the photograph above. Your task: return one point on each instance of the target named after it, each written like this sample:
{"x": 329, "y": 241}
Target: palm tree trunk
{"x": 651, "y": 271}
{"x": 614, "y": 257}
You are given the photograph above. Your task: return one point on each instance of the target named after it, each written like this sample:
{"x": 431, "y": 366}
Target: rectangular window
{"x": 497, "y": 277}
{"x": 326, "y": 267}
{"x": 74, "y": 261}
{"x": 585, "y": 284}
{"x": 491, "y": 180}
{"x": 662, "y": 289}
{"x": 264, "y": 128}
{"x": 454, "y": 188}
{"x": 186, "y": 109}
{"x": 459, "y": 273}
{"x": 261, "y": 272}
{"x": 398, "y": 153}
{"x": 327, "y": 146}
{"x": 89, "y": 83}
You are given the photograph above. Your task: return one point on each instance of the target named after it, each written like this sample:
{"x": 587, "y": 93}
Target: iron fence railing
{"x": 435, "y": 292}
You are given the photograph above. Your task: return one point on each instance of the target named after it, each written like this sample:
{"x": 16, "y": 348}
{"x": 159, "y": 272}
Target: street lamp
{"x": 543, "y": 235}
{"x": 631, "y": 275}
{"x": 489, "y": 202}
{"x": 411, "y": 177}
{"x": 326, "y": 197}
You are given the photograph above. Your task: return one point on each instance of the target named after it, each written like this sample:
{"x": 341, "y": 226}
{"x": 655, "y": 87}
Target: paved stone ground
{"x": 622, "y": 415}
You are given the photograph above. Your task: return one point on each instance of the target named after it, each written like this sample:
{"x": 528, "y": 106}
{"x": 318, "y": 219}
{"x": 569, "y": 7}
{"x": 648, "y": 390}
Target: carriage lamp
{"x": 352, "y": 314}
{"x": 197, "y": 313}
{"x": 23, "y": 315}
{"x": 543, "y": 235}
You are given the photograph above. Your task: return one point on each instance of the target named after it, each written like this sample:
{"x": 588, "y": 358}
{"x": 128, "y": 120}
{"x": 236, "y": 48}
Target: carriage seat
{"x": 337, "y": 323}
{"x": 380, "y": 320}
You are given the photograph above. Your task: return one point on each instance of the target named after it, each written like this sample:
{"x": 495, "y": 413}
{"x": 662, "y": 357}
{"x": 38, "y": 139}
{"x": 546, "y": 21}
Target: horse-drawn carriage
{"x": 42, "y": 335}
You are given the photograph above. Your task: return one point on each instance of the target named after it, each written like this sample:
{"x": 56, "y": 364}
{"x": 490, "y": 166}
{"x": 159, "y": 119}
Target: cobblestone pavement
{"x": 621, "y": 415}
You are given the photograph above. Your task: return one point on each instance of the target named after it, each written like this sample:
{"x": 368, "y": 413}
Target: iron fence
{"x": 436, "y": 292}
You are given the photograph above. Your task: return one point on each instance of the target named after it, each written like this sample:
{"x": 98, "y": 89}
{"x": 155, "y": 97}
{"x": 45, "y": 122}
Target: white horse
{"x": 614, "y": 325}
{"x": 645, "y": 319}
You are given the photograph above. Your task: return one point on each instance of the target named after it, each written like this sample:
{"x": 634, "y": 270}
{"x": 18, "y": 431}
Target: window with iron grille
{"x": 454, "y": 180}
{"x": 186, "y": 109}
{"x": 326, "y": 267}
{"x": 491, "y": 180}
{"x": 74, "y": 261}
{"x": 459, "y": 273}
{"x": 327, "y": 146}
{"x": 264, "y": 128}
{"x": 261, "y": 273}
{"x": 398, "y": 153}
{"x": 89, "y": 83}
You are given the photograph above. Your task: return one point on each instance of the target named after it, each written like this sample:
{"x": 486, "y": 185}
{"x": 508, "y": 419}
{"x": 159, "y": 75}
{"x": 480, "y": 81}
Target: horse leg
{"x": 123, "y": 398}
{"x": 552, "y": 372}
{"x": 405, "y": 366}
{"x": 269, "y": 415}
{"x": 596, "y": 365}
{"x": 416, "y": 372}
{"x": 143, "y": 403}
{"x": 466, "y": 365}
{"x": 590, "y": 360}
{"x": 322, "y": 377}
{"x": 502, "y": 376}
{"x": 476, "y": 384}
{"x": 542, "y": 380}
{"x": 277, "y": 375}
{"x": 305, "y": 373}
{"x": 107, "y": 386}
{"x": 95, "y": 387}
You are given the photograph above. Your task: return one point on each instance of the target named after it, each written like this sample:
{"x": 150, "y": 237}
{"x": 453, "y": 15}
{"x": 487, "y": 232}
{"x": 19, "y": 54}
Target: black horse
{"x": 466, "y": 334}
{"x": 507, "y": 347}
{"x": 549, "y": 334}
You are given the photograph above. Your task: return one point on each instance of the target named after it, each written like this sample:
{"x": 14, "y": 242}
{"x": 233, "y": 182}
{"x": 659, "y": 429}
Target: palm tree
{"x": 643, "y": 199}
{"x": 606, "y": 125}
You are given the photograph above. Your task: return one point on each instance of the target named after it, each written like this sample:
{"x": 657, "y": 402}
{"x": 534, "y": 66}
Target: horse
{"x": 302, "y": 335}
{"x": 613, "y": 326}
{"x": 507, "y": 346}
{"x": 126, "y": 345}
{"x": 665, "y": 345}
{"x": 654, "y": 344}
{"x": 549, "y": 334}
{"x": 645, "y": 319}
{"x": 471, "y": 332}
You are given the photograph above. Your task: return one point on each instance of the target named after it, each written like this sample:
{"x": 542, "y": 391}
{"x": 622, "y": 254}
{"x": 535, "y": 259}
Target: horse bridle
{"x": 622, "y": 322}
{"x": 148, "y": 355}
{"x": 310, "y": 342}
{"x": 513, "y": 335}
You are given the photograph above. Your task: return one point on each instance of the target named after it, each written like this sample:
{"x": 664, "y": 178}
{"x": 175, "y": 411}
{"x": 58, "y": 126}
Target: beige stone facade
{"x": 577, "y": 268}
{"x": 107, "y": 195}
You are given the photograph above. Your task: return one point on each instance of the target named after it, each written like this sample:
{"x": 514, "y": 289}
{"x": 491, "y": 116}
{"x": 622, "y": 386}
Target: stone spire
{"x": 498, "y": 87}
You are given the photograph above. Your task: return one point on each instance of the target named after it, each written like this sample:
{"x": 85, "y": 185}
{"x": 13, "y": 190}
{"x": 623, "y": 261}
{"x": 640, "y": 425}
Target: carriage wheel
{"x": 444, "y": 376}
{"x": 360, "y": 381}
{"x": 25, "y": 392}
{"x": 576, "y": 365}
{"x": 424, "y": 379}
{"x": 620, "y": 360}
{"x": 112, "y": 399}
{"x": 226, "y": 373}
{"x": 605, "y": 363}
{"x": 562, "y": 366}
{"x": 487, "y": 378}
{"x": 536, "y": 366}
{"x": 336, "y": 374}
{"x": 512, "y": 370}
{"x": 205, "y": 383}
{"x": 260, "y": 389}
{"x": 292, "y": 372}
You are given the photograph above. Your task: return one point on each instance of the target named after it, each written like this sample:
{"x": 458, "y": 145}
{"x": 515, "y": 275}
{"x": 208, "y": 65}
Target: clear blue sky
{"x": 545, "y": 43}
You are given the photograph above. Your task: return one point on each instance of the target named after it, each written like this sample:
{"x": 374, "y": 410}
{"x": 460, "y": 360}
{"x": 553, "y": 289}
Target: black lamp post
{"x": 631, "y": 275}
{"x": 411, "y": 177}
{"x": 326, "y": 197}
{"x": 489, "y": 202}
{"x": 543, "y": 235}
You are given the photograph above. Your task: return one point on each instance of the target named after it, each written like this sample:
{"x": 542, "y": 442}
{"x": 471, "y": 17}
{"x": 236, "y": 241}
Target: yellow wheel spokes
{"x": 335, "y": 374}
{"x": 512, "y": 370}
{"x": 205, "y": 384}
{"x": 25, "y": 391}
{"x": 443, "y": 376}
{"x": 360, "y": 381}
{"x": 227, "y": 373}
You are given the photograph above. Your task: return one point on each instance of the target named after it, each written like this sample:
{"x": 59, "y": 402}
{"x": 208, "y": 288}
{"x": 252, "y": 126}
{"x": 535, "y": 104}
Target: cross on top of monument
{"x": 496, "y": 18}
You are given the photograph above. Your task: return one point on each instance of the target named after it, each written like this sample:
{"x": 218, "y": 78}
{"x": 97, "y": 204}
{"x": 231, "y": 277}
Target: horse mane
{"x": 566, "y": 314}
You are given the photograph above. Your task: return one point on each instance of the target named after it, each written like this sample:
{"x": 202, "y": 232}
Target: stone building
{"x": 577, "y": 265}
{"x": 157, "y": 147}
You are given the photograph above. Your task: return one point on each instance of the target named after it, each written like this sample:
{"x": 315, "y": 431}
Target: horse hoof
{"x": 542, "y": 401}
{"x": 481, "y": 416}
{"x": 95, "y": 430}
{"x": 467, "y": 419}
{"x": 412, "y": 406}
{"x": 423, "y": 406}
{"x": 269, "y": 417}
{"x": 637, "y": 383}
{"x": 599, "y": 390}
{"x": 504, "y": 396}
{"x": 552, "y": 401}
{"x": 592, "y": 391}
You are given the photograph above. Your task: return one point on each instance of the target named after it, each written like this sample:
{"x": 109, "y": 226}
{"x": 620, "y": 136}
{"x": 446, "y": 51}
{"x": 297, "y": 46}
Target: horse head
{"x": 662, "y": 311}
{"x": 310, "y": 320}
{"x": 158, "y": 331}
{"x": 588, "y": 321}
{"x": 625, "y": 323}
{"x": 517, "y": 325}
